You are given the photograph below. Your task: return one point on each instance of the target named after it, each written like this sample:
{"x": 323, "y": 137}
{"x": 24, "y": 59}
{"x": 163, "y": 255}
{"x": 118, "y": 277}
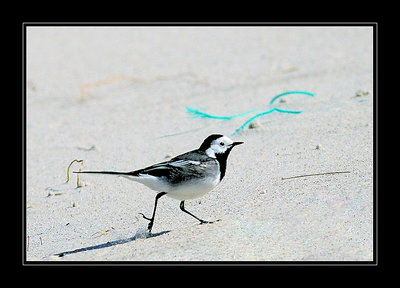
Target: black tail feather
{"x": 108, "y": 172}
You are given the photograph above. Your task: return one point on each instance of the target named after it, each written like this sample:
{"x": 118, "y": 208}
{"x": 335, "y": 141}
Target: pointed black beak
{"x": 236, "y": 143}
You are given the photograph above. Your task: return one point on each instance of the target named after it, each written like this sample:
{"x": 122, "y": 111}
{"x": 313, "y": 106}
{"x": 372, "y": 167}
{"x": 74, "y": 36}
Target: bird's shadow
{"x": 112, "y": 243}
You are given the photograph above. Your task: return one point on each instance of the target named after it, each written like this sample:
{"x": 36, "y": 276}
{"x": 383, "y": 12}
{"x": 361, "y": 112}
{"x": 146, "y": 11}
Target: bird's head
{"x": 217, "y": 144}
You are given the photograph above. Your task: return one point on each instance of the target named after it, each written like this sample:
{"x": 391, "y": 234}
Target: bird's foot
{"x": 150, "y": 226}
{"x": 208, "y": 222}
{"x": 145, "y": 217}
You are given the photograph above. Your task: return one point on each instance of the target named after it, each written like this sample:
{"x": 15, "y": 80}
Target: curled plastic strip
{"x": 262, "y": 114}
{"x": 196, "y": 113}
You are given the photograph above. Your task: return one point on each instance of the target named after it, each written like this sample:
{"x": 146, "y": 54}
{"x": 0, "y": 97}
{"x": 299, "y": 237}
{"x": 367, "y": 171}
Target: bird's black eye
{"x": 222, "y": 143}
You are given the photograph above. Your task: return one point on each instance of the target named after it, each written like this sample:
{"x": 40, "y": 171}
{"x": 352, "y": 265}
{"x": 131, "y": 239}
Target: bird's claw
{"x": 145, "y": 217}
{"x": 209, "y": 222}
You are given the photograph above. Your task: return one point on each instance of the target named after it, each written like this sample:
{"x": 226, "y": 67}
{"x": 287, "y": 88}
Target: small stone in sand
{"x": 255, "y": 124}
{"x": 361, "y": 93}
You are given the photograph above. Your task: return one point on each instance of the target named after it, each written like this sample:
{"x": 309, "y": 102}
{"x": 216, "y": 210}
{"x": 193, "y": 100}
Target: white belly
{"x": 193, "y": 190}
{"x": 185, "y": 191}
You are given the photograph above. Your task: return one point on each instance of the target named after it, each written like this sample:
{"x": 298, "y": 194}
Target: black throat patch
{"x": 222, "y": 159}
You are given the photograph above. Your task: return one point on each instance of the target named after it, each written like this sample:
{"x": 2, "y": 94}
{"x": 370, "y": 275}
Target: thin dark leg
{"x": 154, "y": 211}
{"x": 182, "y": 206}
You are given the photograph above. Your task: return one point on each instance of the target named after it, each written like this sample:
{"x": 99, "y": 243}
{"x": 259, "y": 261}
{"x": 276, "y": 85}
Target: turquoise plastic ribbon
{"x": 290, "y": 92}
{"x": 196, "y": 113}
{"x": 261, "y": 114}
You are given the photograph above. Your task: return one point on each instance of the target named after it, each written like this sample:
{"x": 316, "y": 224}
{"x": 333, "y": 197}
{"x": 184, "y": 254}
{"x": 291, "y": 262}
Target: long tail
{"x": 108, "y": 172}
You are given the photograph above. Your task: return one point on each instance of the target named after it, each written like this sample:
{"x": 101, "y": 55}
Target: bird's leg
{"x": 182, "y": 206}
{"x": 154, "y": 211}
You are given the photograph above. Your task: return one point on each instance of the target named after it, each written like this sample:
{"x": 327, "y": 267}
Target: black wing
{"x": 180, "y": 168}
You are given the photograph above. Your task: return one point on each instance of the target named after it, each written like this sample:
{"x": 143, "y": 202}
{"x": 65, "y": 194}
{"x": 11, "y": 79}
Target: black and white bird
{"x": 186, "y": 176}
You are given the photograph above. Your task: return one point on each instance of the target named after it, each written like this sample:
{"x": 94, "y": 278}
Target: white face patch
{"x": 219, "y": 146}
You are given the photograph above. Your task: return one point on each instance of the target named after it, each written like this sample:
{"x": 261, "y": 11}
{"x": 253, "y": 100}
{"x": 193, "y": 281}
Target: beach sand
{"x": 116, "y": 98}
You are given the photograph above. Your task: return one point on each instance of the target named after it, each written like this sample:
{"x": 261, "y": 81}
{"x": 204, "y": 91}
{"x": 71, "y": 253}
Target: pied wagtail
{"x": 186, "y": 176}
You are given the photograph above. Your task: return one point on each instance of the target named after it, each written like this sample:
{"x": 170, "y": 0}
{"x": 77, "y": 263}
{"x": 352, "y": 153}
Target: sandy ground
{"x": 131, "y": 113}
